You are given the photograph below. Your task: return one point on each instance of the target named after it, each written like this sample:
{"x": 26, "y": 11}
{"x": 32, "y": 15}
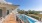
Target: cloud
{"x": 8, "y": 3}
{"x": 3, "y": 1}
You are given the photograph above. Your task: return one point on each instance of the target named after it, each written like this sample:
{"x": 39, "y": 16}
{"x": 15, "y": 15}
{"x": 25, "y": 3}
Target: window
{"x": 0, "y": 12}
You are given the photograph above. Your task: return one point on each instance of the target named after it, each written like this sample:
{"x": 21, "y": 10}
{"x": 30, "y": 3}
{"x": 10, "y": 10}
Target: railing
{"x": 27, "y": 19}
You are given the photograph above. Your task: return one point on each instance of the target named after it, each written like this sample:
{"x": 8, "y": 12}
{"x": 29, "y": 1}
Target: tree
{"x": 36, "y": 13}
{"x": 21, "y": 11}
{"x": 27, "y": 12}
{"x": 33, "y": 12}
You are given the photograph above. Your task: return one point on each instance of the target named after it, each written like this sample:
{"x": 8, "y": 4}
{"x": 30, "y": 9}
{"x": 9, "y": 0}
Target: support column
{"x": 41, "y": 19}
{"x": 14, "y": 11}
{"x": 4, "y": 12}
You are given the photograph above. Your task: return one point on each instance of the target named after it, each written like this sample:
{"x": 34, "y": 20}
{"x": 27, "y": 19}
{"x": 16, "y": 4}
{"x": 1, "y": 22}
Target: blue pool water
{"x": 25, "y": 18}
{"x": 31, "y": 21}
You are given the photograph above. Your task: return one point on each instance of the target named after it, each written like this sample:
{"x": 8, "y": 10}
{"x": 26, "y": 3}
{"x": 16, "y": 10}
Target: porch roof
{"x": 9, "y": 6}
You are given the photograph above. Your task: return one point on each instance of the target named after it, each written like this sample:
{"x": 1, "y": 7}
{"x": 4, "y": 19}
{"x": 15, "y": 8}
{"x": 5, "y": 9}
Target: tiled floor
{"x": 10, "y": 19}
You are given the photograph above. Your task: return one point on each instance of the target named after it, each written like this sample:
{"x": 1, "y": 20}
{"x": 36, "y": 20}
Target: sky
{"x": 28, "y": 4}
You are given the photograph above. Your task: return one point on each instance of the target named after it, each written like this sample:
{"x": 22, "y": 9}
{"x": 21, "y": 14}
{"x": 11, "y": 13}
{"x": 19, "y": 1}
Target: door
{"x": 0, "y": 12}
{"x": 7, "y": 12}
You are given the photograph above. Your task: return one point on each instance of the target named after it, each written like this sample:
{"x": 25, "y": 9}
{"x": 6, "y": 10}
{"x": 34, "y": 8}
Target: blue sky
{"x": 28, "y": 4}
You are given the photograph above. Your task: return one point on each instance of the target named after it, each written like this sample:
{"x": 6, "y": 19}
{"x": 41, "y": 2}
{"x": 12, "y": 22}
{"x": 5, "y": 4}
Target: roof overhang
{"x": 9, "y": 6}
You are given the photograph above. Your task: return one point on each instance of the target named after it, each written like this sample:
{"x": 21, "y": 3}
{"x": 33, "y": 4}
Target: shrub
{"x": 35, "y": 17}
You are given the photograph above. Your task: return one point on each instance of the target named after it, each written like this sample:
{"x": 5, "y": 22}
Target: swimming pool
{"x": 27, "y": 18}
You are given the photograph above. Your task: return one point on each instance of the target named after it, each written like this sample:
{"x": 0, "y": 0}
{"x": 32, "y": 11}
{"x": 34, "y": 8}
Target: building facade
{"x": 5, "y": 9}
